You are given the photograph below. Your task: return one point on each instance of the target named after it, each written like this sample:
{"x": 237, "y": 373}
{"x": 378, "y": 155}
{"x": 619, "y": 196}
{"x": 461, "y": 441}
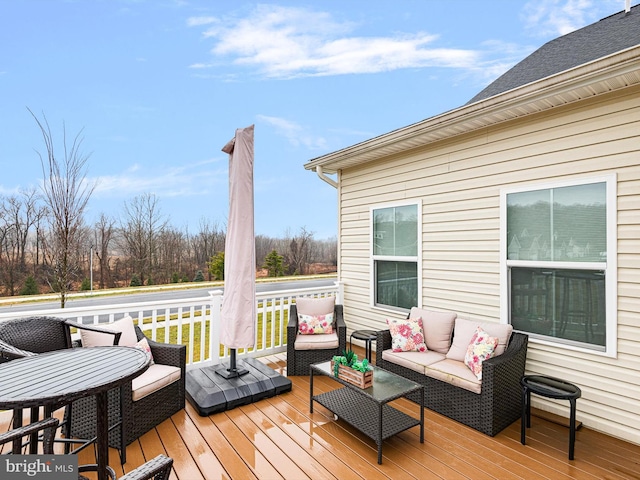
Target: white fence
{"x": 195, "y": 322}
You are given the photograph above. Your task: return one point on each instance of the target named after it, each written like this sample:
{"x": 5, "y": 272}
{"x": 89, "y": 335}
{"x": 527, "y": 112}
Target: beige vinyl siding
{"x": 458, "y": 183}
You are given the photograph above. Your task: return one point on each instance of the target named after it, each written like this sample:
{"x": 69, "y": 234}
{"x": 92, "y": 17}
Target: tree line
{"x": 46, "y": 245}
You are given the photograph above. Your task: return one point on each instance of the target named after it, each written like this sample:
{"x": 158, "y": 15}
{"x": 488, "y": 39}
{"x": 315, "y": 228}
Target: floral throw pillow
{"x": 314, "y": 324}
{"x": 144, "y": 346}
{"x": 407, "y": 335}
{"x": 480, "y": 348}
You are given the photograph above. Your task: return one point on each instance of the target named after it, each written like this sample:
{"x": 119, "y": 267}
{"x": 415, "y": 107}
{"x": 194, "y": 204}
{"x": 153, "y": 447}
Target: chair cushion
{"x": 157, "y": 376}
{"x": 437, "y": 327}
{"x": 407, "y": 335}
{"x": 481, "y": 348}
{"x": 323, "y": 341}
{"x": 415, "y": 361}
{"x": 464, "y": 330}
{"x": 97, "y": 339}
{"x": 315, "y": 324}
{"x": 315, "y": 306}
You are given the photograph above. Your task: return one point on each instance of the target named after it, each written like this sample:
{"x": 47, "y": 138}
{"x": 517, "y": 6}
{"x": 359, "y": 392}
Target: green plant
{"x": 135, "y": 281}
{"x": 30, "y": 286}
{"x": 199, "y": 276}
{"x": 350, "y": 359}
{"x": 86, "y": 285}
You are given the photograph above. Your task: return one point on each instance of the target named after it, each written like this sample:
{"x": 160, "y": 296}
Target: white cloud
{"x": 185, "y": 180}
{"x": 552, "y": 18}
{"x": 294, "y": 133}
{"x": 282, "y": 42}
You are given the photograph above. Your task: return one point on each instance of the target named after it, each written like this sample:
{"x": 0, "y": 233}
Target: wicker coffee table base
{"x": 376, "y": 419}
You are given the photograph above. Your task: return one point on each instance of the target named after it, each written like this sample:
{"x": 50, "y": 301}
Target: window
{"x": 395, "y": 255}
{"x": 559, "y": 263}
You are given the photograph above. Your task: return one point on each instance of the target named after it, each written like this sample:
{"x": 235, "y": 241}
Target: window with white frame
{"x": 559, "y": 244}
{"x": 395, "y": 255}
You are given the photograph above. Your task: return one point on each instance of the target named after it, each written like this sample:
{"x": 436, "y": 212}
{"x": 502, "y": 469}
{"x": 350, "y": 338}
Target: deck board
{"x": 277, "y": 438}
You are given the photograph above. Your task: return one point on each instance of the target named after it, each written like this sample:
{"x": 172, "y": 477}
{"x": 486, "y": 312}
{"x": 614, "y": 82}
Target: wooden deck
{"x": 277, "y": 438}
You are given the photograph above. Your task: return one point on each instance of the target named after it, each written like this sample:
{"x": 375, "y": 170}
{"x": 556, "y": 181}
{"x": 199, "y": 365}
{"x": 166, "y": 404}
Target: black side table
{"x": 551, "y": 388}
{"x": 368, "y": 336}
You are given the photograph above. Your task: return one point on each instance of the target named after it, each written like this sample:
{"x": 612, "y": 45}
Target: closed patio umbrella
{"x": 238, "y": 317}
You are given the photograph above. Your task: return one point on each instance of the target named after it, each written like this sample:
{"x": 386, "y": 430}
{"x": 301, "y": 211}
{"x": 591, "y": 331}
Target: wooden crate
{"x": 359, "y": 379}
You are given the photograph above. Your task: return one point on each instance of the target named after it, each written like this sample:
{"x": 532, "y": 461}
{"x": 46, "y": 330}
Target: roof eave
{"x": 607, "y": 74}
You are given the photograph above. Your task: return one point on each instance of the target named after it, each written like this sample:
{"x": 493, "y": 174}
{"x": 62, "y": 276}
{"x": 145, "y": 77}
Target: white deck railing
{"x": 196, "y": 321}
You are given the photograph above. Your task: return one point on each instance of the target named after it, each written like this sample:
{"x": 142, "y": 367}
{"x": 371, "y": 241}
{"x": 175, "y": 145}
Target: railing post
{"x": 216, "y": 316}
{"x": 339, "y": 292}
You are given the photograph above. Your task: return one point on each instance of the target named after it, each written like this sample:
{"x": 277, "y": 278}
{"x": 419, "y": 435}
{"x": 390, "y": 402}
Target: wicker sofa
{"x": 489, "y": 406}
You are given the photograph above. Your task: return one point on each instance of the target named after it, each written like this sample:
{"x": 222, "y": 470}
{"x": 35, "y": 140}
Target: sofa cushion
{"x": 481, "y": 348}
{"x": 322, "y": 341}
{"x": 315, "y": 324}
{"x": 407, "y": 335}
{"x": 98, "y": 339}
{"x": 415, "y": 361}
{"x": 315, "y": 306}
{"x": 455, "y": 373}
{"x": 153, "y": 379}
{"x": 437, "y": 327}
{"x": 464, "y": 330}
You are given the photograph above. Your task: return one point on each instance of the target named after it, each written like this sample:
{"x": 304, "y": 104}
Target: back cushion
{"x": 463, "y": 333}
{"x": 315, "y": 306}
{"x": 97, "y": 339}
{"x": 437, "y": 327}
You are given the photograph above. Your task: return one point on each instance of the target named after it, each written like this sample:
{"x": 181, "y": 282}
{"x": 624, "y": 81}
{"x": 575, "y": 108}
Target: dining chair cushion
{"x": 156, "y": 377}
{"x": 315, "y": 306}
{"x": 97, "y": 339}
{"x": 321, "y": 341}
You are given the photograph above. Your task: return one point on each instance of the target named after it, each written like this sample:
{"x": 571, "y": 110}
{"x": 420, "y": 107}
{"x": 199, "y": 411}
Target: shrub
{"x": 199, "y": 276}
{"x": 135, "y": 281}
{"x": 85, "y": 285}
{"x": 30, "y": 286}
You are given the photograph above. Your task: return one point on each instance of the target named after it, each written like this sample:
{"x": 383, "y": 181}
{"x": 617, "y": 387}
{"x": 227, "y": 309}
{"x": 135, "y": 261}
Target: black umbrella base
{"x": 210, "y": 392}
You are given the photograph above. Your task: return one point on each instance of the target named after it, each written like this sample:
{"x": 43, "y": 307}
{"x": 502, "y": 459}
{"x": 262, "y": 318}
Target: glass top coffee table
{"x": 367, "y": 409}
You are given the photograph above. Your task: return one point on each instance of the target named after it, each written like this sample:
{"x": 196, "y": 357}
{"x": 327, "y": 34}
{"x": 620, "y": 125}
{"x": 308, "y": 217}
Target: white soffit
{"x": 617, "y": 71}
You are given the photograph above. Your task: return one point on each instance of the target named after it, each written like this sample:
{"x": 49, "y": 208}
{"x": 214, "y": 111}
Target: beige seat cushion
{"x": 321, "y": 341}
{"x": 97, "y": 339}
{"x": 464, "y": 330}
{"x": 415, "y": 361}
{"x": 437, "y": 327}
{"x": 455, "y": 373}
{"x": 157, "y": 376}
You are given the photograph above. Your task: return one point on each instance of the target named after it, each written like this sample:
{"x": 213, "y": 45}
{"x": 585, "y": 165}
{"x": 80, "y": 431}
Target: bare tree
{"x": 299, "y": 254}
{"x": 18, "y": 214}
{"x": 103, "y": 234}
{"x": 66, "y": 193}
{"x": 140, "y": 229}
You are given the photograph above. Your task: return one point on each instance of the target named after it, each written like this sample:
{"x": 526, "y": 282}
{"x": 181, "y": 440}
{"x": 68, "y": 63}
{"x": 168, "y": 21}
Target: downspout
{"x": 325, "y": 178}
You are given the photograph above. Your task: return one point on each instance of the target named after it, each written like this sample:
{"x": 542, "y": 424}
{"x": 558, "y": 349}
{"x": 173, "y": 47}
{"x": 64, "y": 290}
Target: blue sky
{"x": 158, "y": 87}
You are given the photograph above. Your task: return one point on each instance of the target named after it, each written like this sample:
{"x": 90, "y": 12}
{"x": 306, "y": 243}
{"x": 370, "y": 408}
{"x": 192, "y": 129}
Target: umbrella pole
{"x": 233, "y": 371}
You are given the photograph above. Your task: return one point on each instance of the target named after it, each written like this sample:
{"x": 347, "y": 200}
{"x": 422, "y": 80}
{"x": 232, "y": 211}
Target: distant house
{"x": 520, "y": 206}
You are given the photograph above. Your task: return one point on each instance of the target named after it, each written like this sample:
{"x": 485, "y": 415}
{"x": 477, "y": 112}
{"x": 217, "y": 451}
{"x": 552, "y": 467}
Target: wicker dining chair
{"x": 48, "y": 427}
{"x": 137, "y": 417}
{"x": 158, "y": 468}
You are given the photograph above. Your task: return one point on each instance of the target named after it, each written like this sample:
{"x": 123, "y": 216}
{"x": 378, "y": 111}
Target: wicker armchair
{"x": 298, "y": 361}
{"x": 497, "y": 406}
{"x": 140, "y": 416}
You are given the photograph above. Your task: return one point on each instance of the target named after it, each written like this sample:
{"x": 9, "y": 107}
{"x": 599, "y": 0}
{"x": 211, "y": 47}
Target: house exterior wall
{"x": 458, "y": 184}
